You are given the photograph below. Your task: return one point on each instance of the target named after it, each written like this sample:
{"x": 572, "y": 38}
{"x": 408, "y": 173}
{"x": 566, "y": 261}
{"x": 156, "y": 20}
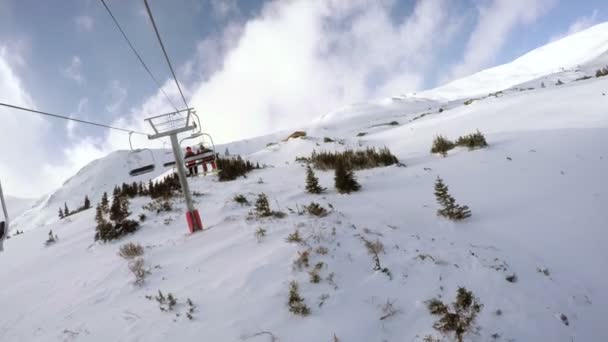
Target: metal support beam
{"x": 181, "y": 173}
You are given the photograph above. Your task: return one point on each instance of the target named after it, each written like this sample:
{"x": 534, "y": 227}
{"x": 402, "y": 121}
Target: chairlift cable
{"x": 64, "y": 117}
{"x": 165, "y": 52}
{"x": 138, "y": 55}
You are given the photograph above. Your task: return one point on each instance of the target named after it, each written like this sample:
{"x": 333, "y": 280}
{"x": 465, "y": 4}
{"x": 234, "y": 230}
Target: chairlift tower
{"x": 3, "y": 223}
{"x": 170, "y": 125}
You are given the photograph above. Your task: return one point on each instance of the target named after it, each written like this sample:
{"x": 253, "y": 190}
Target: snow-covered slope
{"x": 538, "y": 195}
{"x": 576, "y": 55}
{"x": 16, "y": 205}
{"x": 92, "y": 180}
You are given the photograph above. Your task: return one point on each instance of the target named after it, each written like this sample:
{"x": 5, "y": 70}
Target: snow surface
{"x": 585, "y": 52}
{"x": 538, "y": 195}
{"x": 16, "y": 205}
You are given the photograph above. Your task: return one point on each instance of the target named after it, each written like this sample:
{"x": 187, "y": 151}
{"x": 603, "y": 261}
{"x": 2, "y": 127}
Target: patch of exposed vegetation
{"x": 316, "y": 209}
{"x": 459, "y": 319}
{"x": 233, "y": 167}
{"x": 344, "y": 179}
{"x": 356, "y": 160}
{"x": 295, "y": 302}
{"x": 130, "y": 250}
{"x": 241, "y": 199}
{"x": 449, "y": 208}
{"x": 442, "y": 145}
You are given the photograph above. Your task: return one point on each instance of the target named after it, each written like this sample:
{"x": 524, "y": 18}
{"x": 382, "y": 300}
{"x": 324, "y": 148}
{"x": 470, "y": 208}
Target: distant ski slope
{"x": 585, "y": 51}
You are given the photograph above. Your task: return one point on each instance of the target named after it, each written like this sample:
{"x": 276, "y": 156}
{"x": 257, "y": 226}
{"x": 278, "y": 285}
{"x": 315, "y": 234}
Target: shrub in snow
{"x": 51, "y": 239}
{"x": 262, "y": 208}
{"x": 240, "y": 199}
{"x": 389, "y": 310}
{"x": 322, "y": 250}
{"x": 312, "y": 182}
{"x": 159, "y": 205}
{"x": 130, "y": 250}
{"x": 316, "y": 210}
{"x": 601, "y": 72}
{"x": 296, "y": 302}
{"x": 232, "y": 168}
{"x": 459, "y": 319}
{"x": 328, "y": 140}
{"x": 142, "y": 217}
{"x": 166, "y": 303}
{"x": 442, "y": 145}
{"x": 559, "y": 82}
{"x": 294, "y": 237}
{"x": 260, "y": 234}
{"x": 344, "y": 179}
{"x": 315, "y": 278}
{"x": 137, "y": 268}
{"x": 302, "y": 261}
{"x": 449, "y": 208}
{"x": 374, "y": 249}
{"x": 295, "y": 135}
{"x": 473, "y": 140}
{"x": 191, "y": 306}
{"x": 356, "y": 160}
{"x": 61, "y": 214}
{"x": 361, "y": 134}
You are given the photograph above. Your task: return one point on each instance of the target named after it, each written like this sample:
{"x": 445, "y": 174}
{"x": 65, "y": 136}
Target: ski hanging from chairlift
{"x": 140, "y": 161}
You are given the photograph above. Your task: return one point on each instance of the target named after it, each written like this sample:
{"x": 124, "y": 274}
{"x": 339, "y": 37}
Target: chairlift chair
{"x": 207, "y": 155}
{"x": 140, "y": 161}
{"x": 4, "y": 221}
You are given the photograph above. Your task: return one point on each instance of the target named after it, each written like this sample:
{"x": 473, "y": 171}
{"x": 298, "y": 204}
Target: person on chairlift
{"x": 192, "y": 167}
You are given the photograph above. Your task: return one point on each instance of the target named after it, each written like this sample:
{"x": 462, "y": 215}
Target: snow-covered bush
{"x": 473, "y": 140}
{"x": 139, "y": 272}
{"x": 294, "y": 237}
{"x": 458, "y": 319}
{"x": 442, "y": 145}
{"x": 296, "y": 302}
{"x": 51, "y": 239}
{"x": 260, "y": 233}
{"x": 130, "y": 250}
{"x": 315, "y": 209}
{"x": 449, "y": 208}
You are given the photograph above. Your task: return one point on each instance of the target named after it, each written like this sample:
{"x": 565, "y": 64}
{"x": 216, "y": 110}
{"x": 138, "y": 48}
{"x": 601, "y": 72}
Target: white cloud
{"x": 71, "y": 125}
{"x": 118, "y": 95}
{"x": 494, "y": 24}
{"x": 300, "y": 59}
{"x": 84, "y": 23}
{"x": 22, "y": 137}
{"x": 224, "y": 8}
{"x": 74, "y": 70}
{"x": 581, "y": 23}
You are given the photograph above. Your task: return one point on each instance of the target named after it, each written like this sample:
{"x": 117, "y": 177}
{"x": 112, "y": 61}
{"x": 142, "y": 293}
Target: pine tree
{"x": 312, "y": 182}
{"x": 61, "y": 213}
{"x": 449, "y": 208}
{"x": 66, "y": 211}
{"x": 344, "y": 179}
{"x": 105, "y": 204}
{"x": 226, "y": 153}
{"x": 262, "y": 207}
{"x": 119, "y": 209}
{"x": 87, "y": 203}
{"x": 99, "y": 214}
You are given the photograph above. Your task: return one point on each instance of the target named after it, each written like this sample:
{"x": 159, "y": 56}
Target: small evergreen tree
{"x": 312, "y": 182}
{"x": 344, "y": 179}
{"x": 449, "y": 208}
{"x": 119, "y": 209}
{"x": 61, "y": 213}
{"x": 105, "y": 204}
{"x": 87, "y": 203}
{"x": 262, "y": 207}
{"x": 226, "y": 153}
{"x": 66, "y": 211}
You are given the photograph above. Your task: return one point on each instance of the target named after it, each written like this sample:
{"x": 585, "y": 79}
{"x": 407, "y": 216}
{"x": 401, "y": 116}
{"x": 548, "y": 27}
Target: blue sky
{"x": 268, "y": 65}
